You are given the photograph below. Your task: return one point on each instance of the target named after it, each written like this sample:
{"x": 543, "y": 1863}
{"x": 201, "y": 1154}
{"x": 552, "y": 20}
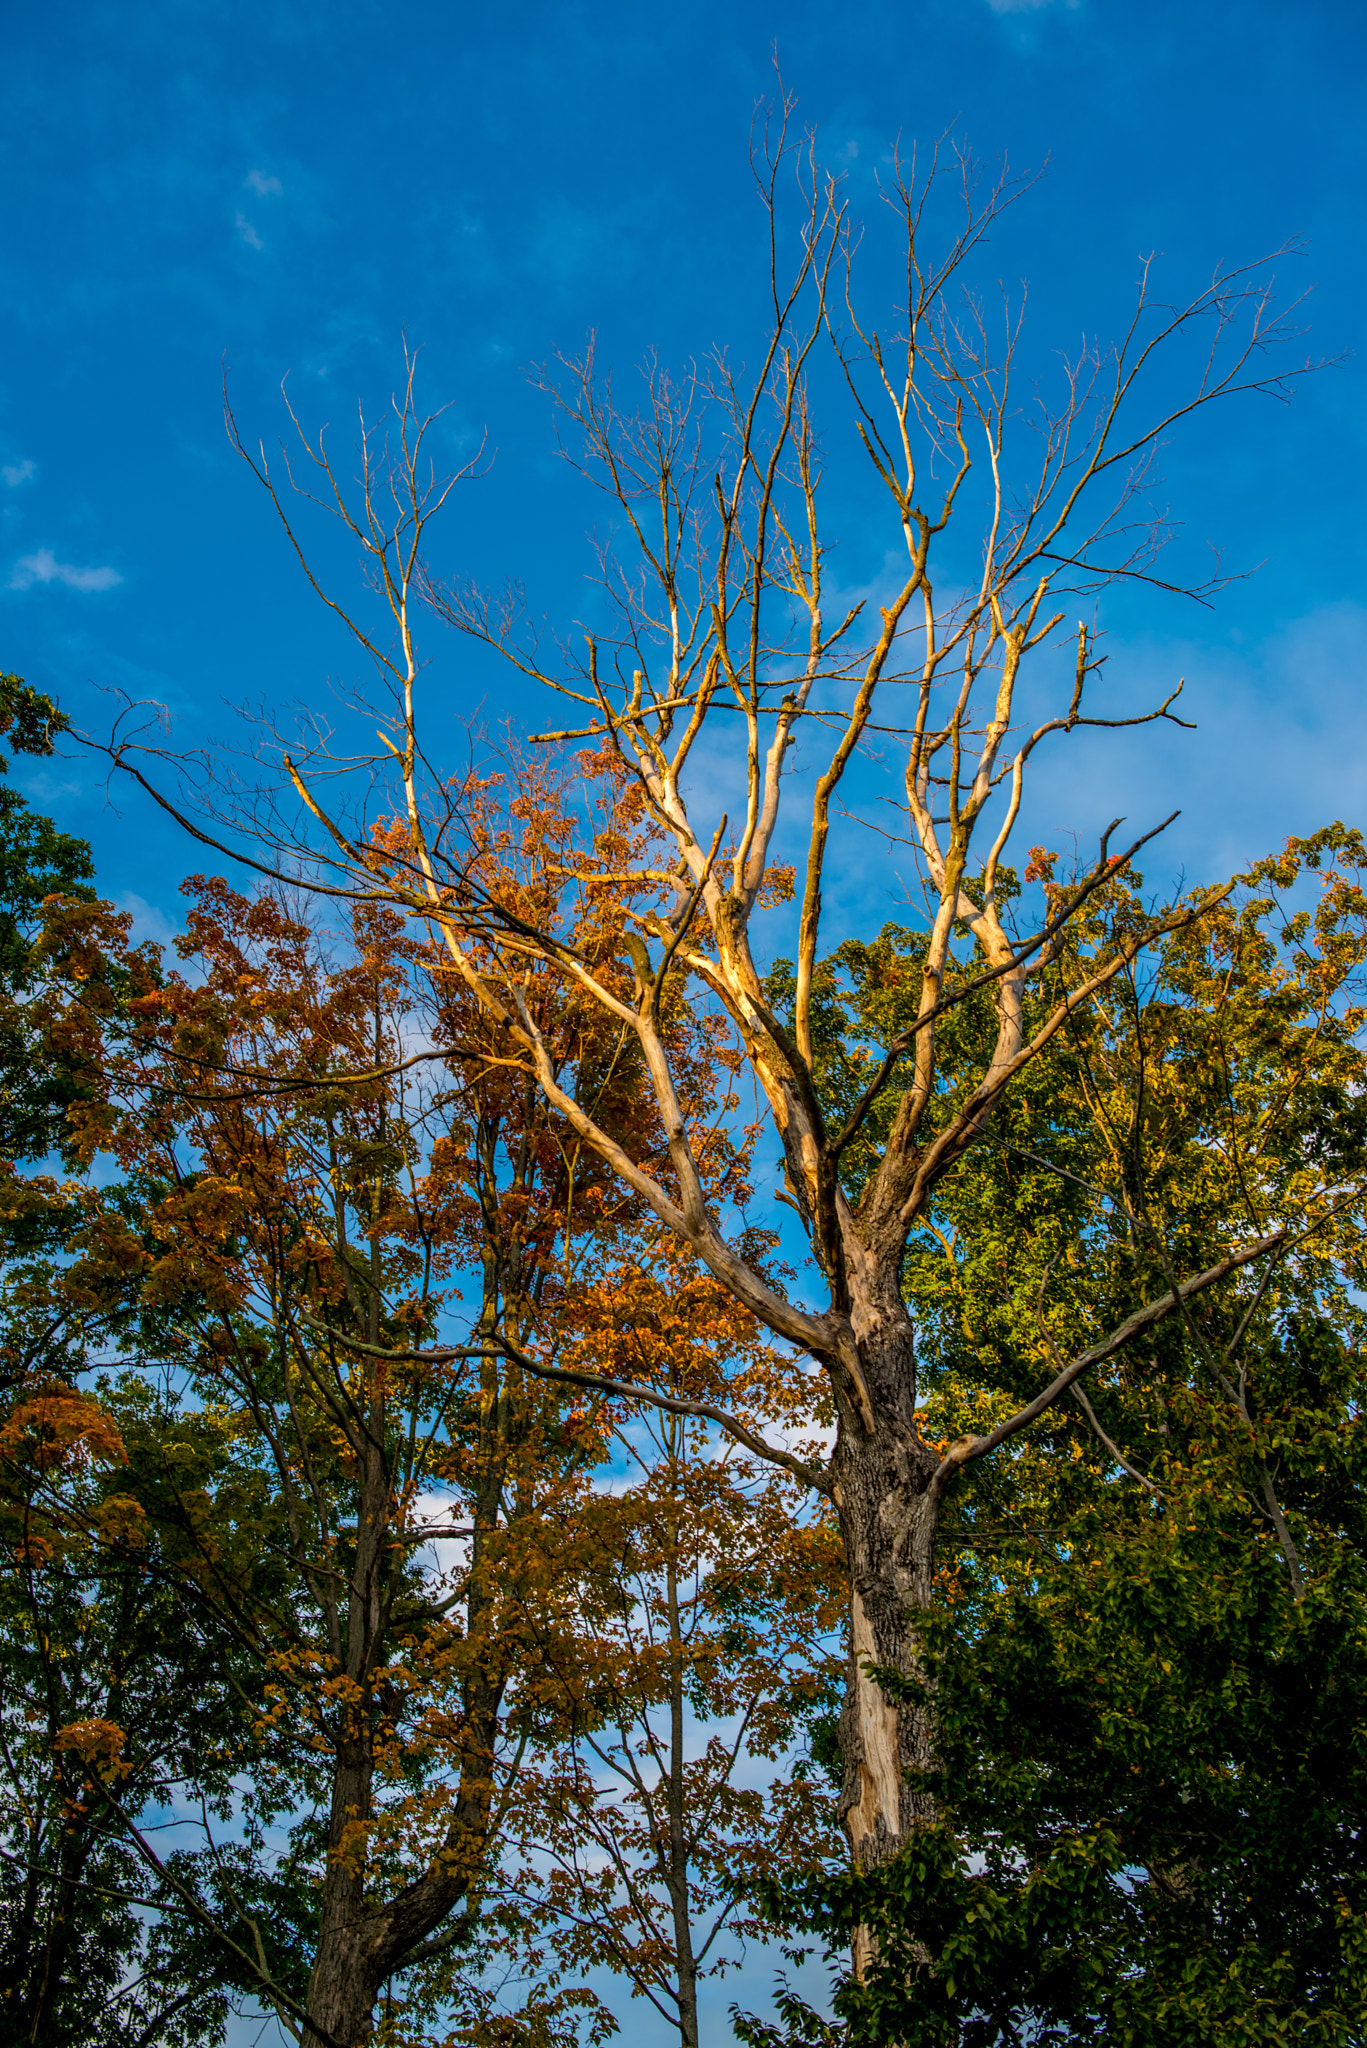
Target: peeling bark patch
{"x": 879, "y": 1764}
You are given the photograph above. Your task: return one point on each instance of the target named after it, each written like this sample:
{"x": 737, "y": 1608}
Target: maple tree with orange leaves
{"x": 390, "y": 1533}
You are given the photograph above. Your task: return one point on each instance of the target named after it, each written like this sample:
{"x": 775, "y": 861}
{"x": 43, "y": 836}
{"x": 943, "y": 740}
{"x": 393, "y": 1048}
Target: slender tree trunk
{"x": 56, "y": 1955}
{"x": 350, "y": 1960}
{"x": 55, "y": 1960}
{"x": 18, "y": 1953}
{"x": 678, "y": 1842}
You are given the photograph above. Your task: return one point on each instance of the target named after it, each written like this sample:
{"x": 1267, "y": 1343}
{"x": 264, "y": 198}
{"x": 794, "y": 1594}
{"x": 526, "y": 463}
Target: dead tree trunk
{"x": 881, "y": 1484}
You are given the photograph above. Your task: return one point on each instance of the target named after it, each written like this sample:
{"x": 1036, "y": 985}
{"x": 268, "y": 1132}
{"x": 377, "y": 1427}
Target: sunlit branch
{"x": 1104, "y": 870}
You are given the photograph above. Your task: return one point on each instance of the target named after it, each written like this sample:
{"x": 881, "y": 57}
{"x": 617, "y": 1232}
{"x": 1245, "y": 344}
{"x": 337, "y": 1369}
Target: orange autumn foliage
{"x": 392, "y": 1520}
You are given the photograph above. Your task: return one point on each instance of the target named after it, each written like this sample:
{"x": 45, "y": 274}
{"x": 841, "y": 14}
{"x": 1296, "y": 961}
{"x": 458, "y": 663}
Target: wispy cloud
{"x": 248, "y": 233}
{"x": 265, "y": 185}
{"x": 1029, "y": 6}
{"x": 16, "y": 473}
{"x": 43, "y": 567}
{"x": 149, "y": 921}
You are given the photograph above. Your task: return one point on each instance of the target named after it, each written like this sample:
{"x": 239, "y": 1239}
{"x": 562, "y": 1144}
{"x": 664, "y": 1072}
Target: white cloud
{"x": 16, "y": 473}
{"x": 148, "y": 921}
{"x": 1281, "y": 747}
{"x": 43, "y": 567}
{"x": 260, "y": 182}
{"x": 248, "y": 233}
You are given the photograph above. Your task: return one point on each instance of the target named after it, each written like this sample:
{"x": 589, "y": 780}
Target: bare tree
{"x": 722, "y": 645}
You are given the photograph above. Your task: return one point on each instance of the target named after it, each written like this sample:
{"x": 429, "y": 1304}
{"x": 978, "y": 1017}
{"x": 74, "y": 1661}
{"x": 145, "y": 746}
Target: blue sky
{"x": 292, "y": 186}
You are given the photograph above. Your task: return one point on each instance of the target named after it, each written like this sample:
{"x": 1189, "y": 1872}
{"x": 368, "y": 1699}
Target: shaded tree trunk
{"x": 887, "y": 1504}
{"x": 360, "y": 1946}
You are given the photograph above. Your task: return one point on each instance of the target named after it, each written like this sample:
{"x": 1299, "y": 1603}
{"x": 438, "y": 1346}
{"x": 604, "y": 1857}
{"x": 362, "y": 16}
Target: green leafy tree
{"x": 97, "y": 1679}
{"x": 88, "y": 1641}
{"x": 1148, "y": 1653}
{"x": 36, "y": 861}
